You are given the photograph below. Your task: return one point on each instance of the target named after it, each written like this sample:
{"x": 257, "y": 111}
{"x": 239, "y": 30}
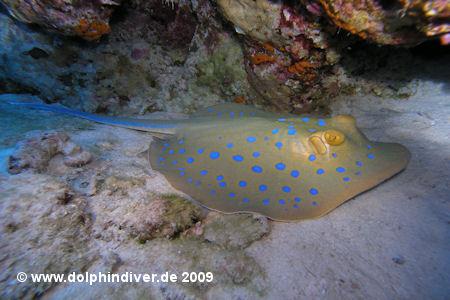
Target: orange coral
{"x": 260, "y": 58}
{"x": 268, "y": 46}
{"x": 300, "y": 67}
{"x": 91, "y": 30}
{"x": 239, "y": 99}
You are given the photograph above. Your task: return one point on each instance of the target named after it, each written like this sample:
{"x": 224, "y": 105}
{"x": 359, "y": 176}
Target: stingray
{"x": 235, "y": 158}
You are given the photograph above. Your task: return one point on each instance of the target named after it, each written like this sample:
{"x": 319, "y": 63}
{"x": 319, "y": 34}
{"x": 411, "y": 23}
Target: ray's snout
{"x": 393, "y": 159}
{"x": 398, "y": 155}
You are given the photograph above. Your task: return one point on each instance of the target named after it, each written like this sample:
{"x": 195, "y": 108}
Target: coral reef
{"x": 280, "y": 38}
{"x": 36, "y": 152}
{"x": 165, "y": 216}
{"x": 157, "y": 57}
{"x": 169, "y": 55}
{"x": 249, "y": 228}
{"x": 434, "y": 15}
{"x": 391, "y": 22}
{"x": 86, "y": 19}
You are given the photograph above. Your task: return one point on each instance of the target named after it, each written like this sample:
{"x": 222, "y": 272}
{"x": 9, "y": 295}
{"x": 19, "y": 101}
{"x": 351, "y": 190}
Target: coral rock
{"x": 36, "y": 152}
{"x": 279, "y": 39}
{"x": 163, "y": 217}
{"x": 389, "y": 22}
{"x": 235, "y": 231}
{"x": 86, "y": 19}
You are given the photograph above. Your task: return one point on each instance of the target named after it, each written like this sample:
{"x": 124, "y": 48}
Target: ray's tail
{"x": 34, "y": 102}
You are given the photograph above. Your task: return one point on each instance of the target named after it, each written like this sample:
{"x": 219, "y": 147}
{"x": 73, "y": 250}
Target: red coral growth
{"x": 268, "y": 46}
{"x": 87, "y": 19}
{"x": 91, "y": 31}
{"x": 240, "y": 100}
{"x": 301, "y": 66}
{"x": 261, "y": 58}
{"x": 405, "y": 22}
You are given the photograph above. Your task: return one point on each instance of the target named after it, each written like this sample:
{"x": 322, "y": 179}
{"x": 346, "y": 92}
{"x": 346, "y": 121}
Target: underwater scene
{"x": 224, "y": 149}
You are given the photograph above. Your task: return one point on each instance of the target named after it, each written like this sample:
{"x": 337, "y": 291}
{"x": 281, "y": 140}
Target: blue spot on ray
{"x": 346, "y": 179}
{"x": 181, "y": 142}
{"x": 340, "y": 169}
{"x": 279, "y": 145}
{"x": 262, "y": 188}
{"x": 370, "y": 156}
{"x": 200, "y": 151}
{"x": 238, "y": 158}
{"x": 275, "y": 131}
{"x": 256, "y": 154}
{"x": 313, "y": 191}
{"x": 321, "y": 122}
{"x": 295, "y": 173}
{"x": 334, "y": 155}
{"x": 266, "y": 201}
{"x": 220, "y": 177}
{"x": 203, "y": 172}
{"x": 232, "y": 195}
{"x": 251, "y": 139}
{"x": 257, "y": 169}
{"x": 305, "y": 119}
{"x": 190, "y": 160}
{"x": 245, "y": 200}
{"x": 297, "y": 199}
{"x": 182, "y": 151}
{"x": 286, "y": 189}
{"x": 282, "y": 201}
{"x": 242, "y": 183}
{"x": 312, "y": 157}
{"x": 312, "y": 130}
{"x": 230, "y": 145}
{"x": 171, "y": 151}
{"x": 214, "y": 155}
{"x": 280, "y": 166}
{"x": 320, "y": 171}
{"x": 292, "y": 132}
{"x": 359, "y": 163}
{"x": 223, "y": 184}
{"x": 281, "y": 120}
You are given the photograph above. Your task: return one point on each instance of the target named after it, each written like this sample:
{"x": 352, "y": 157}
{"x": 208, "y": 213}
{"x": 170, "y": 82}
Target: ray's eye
{"x": 334, "y": 137}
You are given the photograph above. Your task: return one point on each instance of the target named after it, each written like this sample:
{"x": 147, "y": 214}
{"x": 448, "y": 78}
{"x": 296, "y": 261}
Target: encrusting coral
{"x": 86, "y": 19}
{"x": 391, "y": 22}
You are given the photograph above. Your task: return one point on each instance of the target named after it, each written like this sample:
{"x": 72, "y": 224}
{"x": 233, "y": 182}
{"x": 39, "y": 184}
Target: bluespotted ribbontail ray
{"x": 235, "y": 158}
